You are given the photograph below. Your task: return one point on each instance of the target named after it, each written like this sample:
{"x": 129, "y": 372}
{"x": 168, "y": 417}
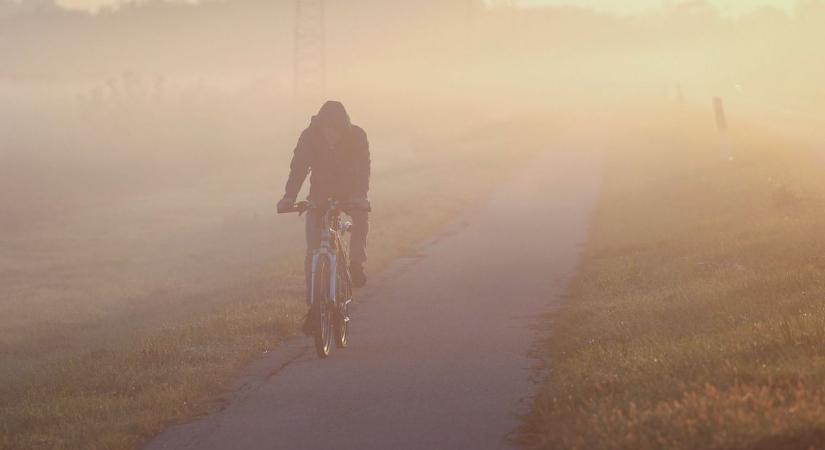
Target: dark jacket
{"x": 341, "y": 172}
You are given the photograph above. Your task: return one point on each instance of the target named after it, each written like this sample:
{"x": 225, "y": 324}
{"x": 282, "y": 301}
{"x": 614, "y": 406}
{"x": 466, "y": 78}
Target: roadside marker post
{"x": 725, "y": 150}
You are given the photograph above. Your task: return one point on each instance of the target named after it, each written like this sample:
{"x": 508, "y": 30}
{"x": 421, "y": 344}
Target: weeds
{"x": 695, "y": 321}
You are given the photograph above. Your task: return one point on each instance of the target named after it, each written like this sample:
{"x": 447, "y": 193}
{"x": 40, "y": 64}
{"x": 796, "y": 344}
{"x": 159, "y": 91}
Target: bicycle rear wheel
{"x": 323, "y": 309}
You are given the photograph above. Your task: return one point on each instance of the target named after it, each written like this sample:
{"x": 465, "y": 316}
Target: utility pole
{"x": 309, "y": 63}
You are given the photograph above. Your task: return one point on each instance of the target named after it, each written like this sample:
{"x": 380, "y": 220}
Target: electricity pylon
{"x": 309, "y": 64}
{"x": 503, "y": 3}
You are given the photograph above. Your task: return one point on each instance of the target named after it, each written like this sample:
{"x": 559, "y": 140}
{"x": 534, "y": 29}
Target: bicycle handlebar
{"x": 299, "y": 208}
{"x": 303, "y": 206}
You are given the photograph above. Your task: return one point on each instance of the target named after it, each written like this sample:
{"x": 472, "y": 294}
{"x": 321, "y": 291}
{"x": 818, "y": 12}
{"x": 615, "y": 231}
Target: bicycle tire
{"x": 321, "y": 308}
{"x": 341, "y": 324}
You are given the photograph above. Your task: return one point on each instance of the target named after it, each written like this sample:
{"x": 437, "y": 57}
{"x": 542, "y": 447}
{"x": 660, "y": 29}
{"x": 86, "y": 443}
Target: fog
{"x": 143, "y": 148}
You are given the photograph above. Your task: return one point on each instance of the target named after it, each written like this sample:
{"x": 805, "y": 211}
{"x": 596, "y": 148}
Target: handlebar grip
{"x": 299, "y": 208}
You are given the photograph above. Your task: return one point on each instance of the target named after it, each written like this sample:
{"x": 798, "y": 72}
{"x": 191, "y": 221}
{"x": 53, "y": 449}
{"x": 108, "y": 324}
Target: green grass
{"x": 696, "y": 320}
{"x": 118, "y": 394}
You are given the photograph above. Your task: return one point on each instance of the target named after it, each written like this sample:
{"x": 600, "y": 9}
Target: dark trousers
{"x": 357, "y": 244}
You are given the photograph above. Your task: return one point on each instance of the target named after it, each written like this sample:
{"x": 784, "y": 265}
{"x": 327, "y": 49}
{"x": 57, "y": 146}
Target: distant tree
{"x": 810, "y": 10}
{"x": 698, "y": 9}
{"x": 13, "y": 8}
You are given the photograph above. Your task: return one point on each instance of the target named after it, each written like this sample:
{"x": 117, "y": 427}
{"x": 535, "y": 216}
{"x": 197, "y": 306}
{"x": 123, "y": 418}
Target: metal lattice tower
{"x": 309, "y": 77}
{"x": 503, "y": 3}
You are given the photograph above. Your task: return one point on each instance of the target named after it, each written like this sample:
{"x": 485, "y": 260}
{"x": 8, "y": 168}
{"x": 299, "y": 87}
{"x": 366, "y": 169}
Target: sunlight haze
{"x": 731, "y": 7}
{"x": 591, "y": 224}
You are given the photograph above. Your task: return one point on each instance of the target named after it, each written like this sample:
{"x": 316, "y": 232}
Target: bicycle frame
{"x": 333, "y": 227}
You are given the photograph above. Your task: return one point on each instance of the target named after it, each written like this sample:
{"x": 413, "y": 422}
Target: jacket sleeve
{"x": 362, "y": 165}
{"x": 299, "y": 168}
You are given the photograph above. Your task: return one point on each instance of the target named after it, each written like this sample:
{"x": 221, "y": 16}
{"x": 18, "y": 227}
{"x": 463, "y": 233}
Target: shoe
{"x": 310, "y": 323}
{"x": 359, "y": 277}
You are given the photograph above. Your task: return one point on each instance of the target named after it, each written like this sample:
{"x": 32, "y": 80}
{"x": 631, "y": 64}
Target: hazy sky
{"x": 621, "y": 6}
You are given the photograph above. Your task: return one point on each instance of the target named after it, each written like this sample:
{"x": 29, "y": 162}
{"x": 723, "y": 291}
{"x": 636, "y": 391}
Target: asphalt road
{"x": 439, "y": 355}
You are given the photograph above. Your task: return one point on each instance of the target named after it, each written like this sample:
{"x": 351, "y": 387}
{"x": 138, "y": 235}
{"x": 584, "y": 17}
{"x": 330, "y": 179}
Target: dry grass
{"x": 128, "y": 382}
{"x": 696, "y": 321}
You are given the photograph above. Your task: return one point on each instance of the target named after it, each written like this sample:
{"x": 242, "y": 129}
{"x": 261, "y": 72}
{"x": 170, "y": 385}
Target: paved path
{"x": 439, "y": 351}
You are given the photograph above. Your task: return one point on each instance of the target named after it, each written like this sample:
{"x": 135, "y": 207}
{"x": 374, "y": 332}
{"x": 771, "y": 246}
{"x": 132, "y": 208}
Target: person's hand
{"x": 286, "y": 204}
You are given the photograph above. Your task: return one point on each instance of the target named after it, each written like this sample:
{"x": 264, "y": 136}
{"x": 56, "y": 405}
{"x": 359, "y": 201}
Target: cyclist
{"x": 337, "y": 154}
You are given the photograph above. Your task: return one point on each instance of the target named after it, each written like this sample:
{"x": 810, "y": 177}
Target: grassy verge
{"x": 121, "y": 394}
{"x": 696, "y": 320}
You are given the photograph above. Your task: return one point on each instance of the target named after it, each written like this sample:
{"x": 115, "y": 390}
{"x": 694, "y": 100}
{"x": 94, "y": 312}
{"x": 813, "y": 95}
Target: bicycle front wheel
{"x": 341, "y": 318}
{"x": 323, "y": 309}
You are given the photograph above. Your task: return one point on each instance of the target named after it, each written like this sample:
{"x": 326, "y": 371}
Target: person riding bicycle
{"x": 337, "y": 154}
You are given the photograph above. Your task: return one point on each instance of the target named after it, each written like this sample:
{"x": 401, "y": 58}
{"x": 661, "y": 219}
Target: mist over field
{"x": 143, "y": 148}
{"x": 155, "y": 87}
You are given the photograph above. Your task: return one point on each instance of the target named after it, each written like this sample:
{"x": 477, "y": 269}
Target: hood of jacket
{"x": 333, "y": 115}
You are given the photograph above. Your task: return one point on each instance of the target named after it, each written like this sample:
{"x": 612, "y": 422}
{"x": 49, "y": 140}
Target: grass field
{"x": 104, "y": 373}
{"x": 696, "y": 320}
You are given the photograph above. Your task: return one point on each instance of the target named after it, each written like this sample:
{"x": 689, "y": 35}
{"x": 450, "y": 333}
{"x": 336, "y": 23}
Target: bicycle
{"x": 331, "y": 284}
